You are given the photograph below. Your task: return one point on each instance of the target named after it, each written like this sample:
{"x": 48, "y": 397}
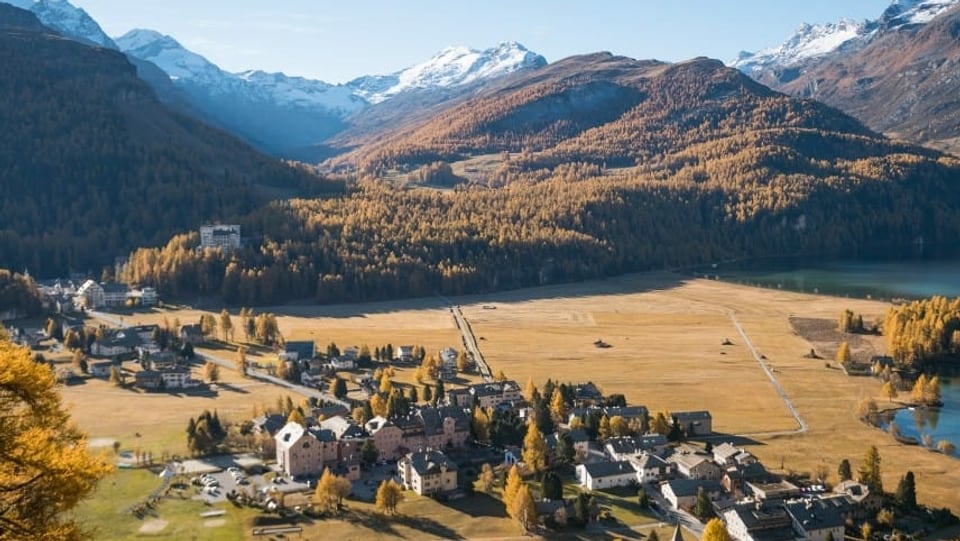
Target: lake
{"x": 878, "y": 280}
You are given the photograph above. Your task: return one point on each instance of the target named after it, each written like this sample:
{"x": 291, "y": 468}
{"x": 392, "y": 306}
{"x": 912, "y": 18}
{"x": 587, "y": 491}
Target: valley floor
{"x": 666, "y": 335}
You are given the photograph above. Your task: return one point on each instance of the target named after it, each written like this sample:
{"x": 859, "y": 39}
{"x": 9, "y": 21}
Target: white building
{"x": 601, "y": 475}
{"x": 428, "y": 472}
{"x": 220, "y": 236}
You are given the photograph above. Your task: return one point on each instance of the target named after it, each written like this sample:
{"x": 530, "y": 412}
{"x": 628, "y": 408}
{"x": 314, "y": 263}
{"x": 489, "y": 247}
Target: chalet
{"x": 758, "y": 521}
{"x": 650, "y": 467}
{"x": 694, "y": 423}
{"x": 682, "y": 493}
{"x": 695, "y": 466}
{"x": 579, "y": 438}
{"x": 815, "y": 520}
{"x": 555, "y": 511}
{"x": 607, "y": 474}
{"x": 148, "y": 379}
{"x": 175, "y": 378}
{"x": 428, "y": 472}
{"x": 298, "y": 351}
{"x": 305, "y": 451}
{"x": 726, "y": 454}
{"x": 116, "y": 343}
{"x": 191, "y": 334}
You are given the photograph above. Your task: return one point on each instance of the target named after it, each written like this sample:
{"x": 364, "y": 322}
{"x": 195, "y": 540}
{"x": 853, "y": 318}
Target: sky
{"x": 339, "y": 40}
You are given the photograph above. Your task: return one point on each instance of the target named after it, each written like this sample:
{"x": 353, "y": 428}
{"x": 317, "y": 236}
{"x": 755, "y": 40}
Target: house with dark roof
{"x": 867, "y": 503}
{"x": 682, "y": 493}
{"x": 695, "y": 465}
{"x": 694, "y": 423}
{"x": 191, "y": 334}
{"x": 269, "y": 424}
{"x": 815, "y": 519}
{"x": 298, "y": 351}
{"x": 779, "y": 489}
{"x": 622, "y": 448}
{"x": 650, "y": 467}
{"x": 114, "y": 343}
{"x": 428, "y": 472}
{"x": 607, "y": 474}
{"x": 758, "y": 521}
{"x": 492, "y": 394}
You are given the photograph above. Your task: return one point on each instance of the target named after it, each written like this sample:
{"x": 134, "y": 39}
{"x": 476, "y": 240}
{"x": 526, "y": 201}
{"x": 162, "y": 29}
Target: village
{"x": 441, "y": 439}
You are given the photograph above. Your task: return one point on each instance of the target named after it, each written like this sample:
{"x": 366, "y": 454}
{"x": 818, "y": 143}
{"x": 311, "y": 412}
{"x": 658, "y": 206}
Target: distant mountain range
{"x": 283, "y": 115}
{"x": 899, "y": 73}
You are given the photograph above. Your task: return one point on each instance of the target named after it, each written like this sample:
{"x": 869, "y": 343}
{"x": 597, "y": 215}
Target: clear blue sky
{"x": 339, "y": 40}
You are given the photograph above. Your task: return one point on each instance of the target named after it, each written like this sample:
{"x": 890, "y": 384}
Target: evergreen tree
{"x": 702, "y": 508}
{"x": 552, "y": 486}
{"x": 844, "y": 471}
{"x": 339, "y": 387}
{"x": 906, "y": 495}
{"x": 511, "y": 486}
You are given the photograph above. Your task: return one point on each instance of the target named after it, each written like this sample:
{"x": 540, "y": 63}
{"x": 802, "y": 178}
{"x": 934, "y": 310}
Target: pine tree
{"x": 844, "y": 471}
{"x": 558, "y": 407}
{"x": 296, "y": 416}
{"x": 906, "y": 495}
{"x": 339, "y": 387}
{"x": 530, "y": 390}
{"x": 702, "y": 508}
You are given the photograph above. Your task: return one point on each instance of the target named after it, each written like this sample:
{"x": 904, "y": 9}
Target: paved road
{"x": 231, "y": 365}
{"x": 802, "y": 425}
{"x": 470, "y": 343}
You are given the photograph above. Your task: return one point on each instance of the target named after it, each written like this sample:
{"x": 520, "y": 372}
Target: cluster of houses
{"x": 69, "y": 295}
{"x": 755, "y": 505}
{"x": 161, "y": 369}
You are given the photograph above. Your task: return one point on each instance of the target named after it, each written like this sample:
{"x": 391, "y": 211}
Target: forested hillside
{"x": 92, "y": 165}
{"x": 720, "y": 167}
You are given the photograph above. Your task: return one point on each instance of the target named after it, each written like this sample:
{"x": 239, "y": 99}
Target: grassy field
{"x": 156, "y": 422}
{"x": 107, "y": 513}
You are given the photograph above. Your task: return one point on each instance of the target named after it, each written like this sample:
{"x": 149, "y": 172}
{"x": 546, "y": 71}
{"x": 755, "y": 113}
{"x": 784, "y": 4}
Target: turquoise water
{"x": 882, "y": 280}
{"x": 942, "y": 424}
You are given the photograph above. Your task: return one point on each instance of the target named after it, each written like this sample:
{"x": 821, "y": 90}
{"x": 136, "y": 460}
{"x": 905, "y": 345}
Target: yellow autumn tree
{"x": 511, "y": 486}
{"x": 45, "y": 465}
{"x": 715, "y": 531}
{"x": 389, "y": 495}
{"x": 523, "y": 509}
{"x": 530, "y": 390}
{"x": 534, "y": 448}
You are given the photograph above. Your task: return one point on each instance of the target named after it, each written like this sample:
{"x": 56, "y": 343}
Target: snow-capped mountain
{"x": 451, "y": 67}
{"x": 66, "y": 19}
{"x": 912, "y": 12}
{"x": 808, "y": 41}
{"x": 811, "y": 42}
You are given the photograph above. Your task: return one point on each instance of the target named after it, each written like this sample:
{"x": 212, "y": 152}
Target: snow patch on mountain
{"x": 812, "y": 41}
{"x": 451, "y": 67}
{"x": 187, "y": 68}
{"x": 66, "y": 19}
{"x": 912, "y": 12}
{"x": 808, "y": 41}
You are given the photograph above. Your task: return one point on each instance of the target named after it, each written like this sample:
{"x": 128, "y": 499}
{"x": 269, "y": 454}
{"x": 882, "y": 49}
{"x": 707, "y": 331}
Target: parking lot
{"x": 246, "y": 481}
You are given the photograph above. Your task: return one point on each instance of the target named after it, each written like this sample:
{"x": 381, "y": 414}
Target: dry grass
{"x": 109, "y": 413}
